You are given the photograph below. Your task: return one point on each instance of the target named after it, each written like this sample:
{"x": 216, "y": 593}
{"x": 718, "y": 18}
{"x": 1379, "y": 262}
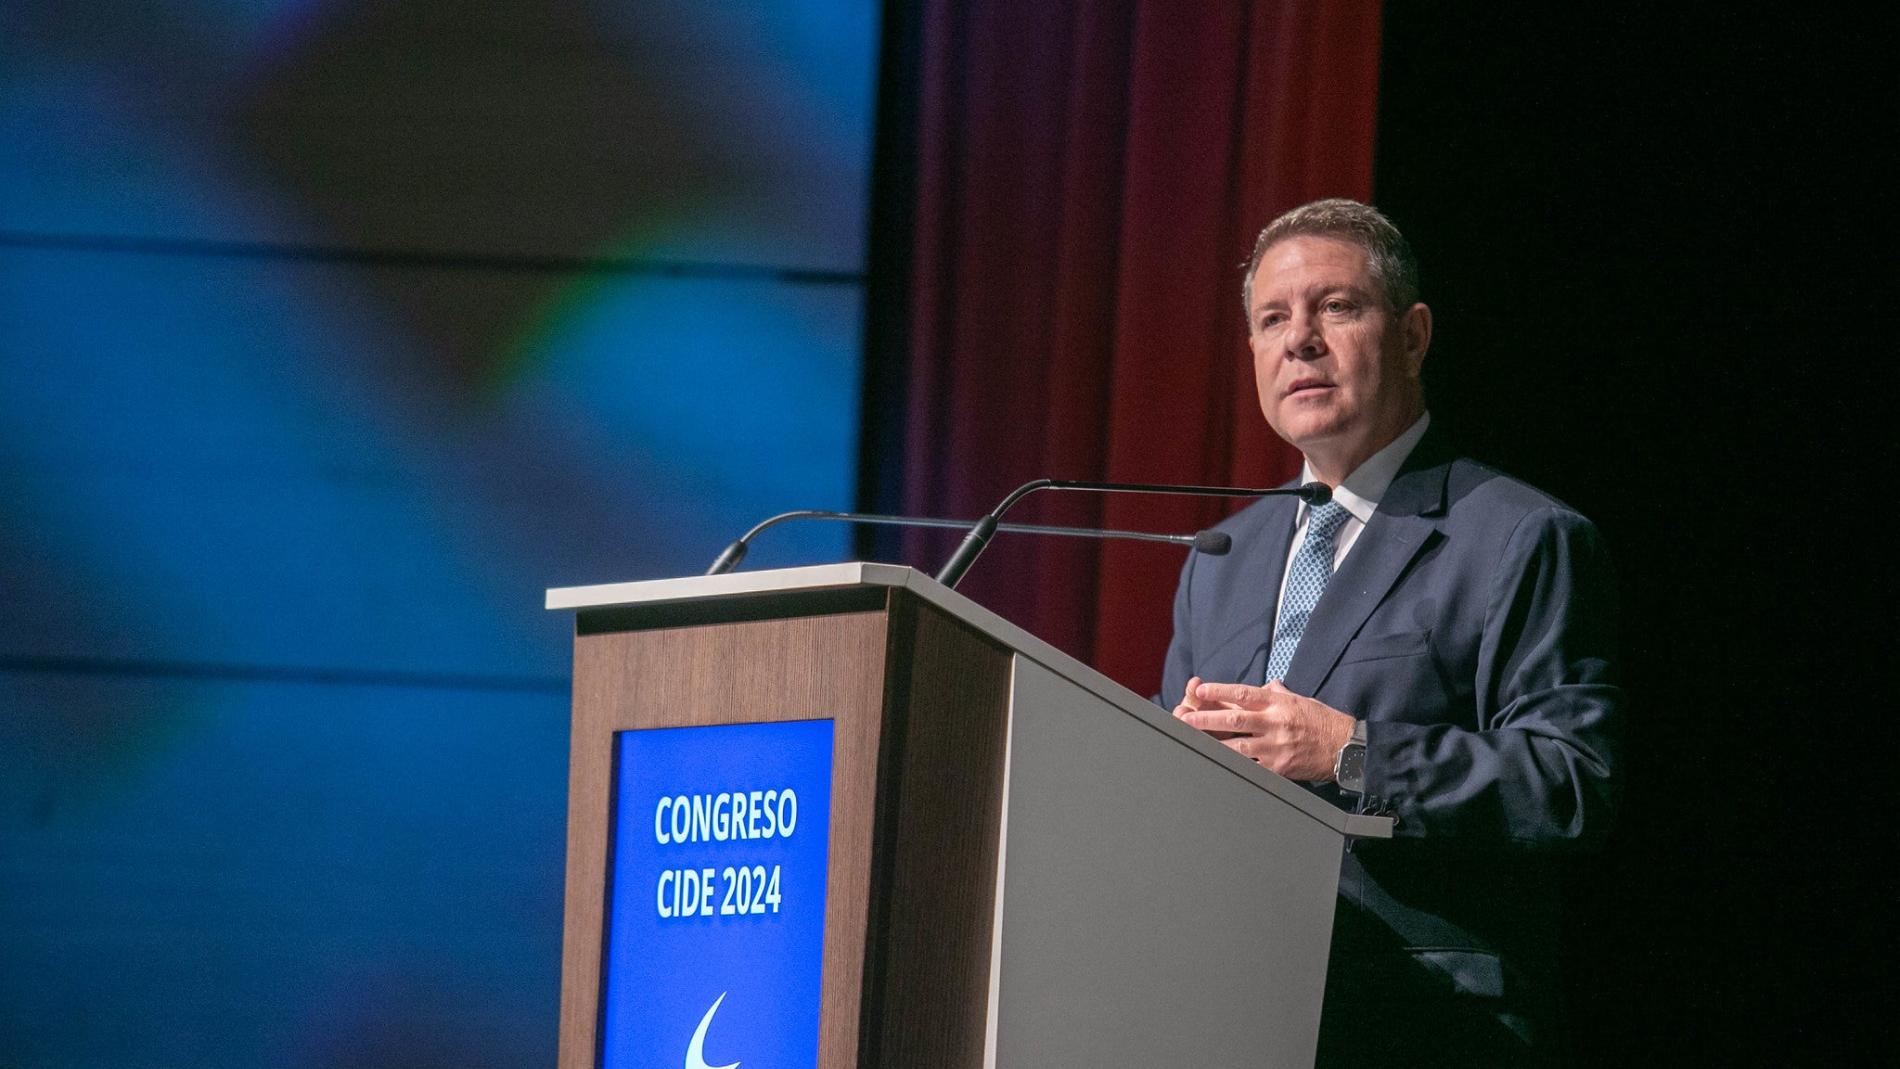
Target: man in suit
{"x": 1436, "y": 644}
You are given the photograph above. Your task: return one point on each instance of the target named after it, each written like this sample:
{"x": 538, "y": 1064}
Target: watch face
{"x": 1352, "y": 767}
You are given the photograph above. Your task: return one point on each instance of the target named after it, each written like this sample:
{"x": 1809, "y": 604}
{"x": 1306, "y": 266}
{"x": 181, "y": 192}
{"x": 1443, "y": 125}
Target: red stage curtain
{"x": 1089, "y": 179}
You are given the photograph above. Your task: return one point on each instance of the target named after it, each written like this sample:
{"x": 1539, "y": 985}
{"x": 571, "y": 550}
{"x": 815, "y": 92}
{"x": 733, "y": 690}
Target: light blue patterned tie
{"x": 1312, "y": 567}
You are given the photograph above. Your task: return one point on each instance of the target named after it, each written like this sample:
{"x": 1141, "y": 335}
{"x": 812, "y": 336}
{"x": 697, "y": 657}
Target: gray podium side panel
{"x": 1156, "y": 908}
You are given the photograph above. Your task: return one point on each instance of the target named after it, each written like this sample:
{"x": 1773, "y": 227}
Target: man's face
{"x": 1336, "y": 367}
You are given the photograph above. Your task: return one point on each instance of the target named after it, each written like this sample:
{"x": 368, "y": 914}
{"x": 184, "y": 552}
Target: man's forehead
{"x": 1308, "y": 263}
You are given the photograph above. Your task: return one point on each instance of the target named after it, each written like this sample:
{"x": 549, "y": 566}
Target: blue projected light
{"x": 313, "y": 388}
{"x": 716, "y": 909}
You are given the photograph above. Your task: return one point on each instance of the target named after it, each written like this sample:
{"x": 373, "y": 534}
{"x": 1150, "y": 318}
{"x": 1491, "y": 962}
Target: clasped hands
{"x": 1297, "y": 737}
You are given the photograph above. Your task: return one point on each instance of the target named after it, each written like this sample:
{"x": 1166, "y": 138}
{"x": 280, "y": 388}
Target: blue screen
{"x": 716, "y": 901}
{"x": 333, "y": 334}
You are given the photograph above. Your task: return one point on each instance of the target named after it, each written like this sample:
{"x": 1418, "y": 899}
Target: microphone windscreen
{"x": 1316, "y": 493}
{"x": 1213, "y": 543}
{"x": 729, "y": 558}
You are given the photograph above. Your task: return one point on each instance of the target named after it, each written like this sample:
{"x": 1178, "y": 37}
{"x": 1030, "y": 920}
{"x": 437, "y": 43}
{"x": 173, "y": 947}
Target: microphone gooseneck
{"x": 1211, "y": 542}
{"x": 1313, "y": 493}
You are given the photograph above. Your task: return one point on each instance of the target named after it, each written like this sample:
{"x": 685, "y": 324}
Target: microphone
{"x": 1214, "y": 543}
{"x": 1313, "y": 493}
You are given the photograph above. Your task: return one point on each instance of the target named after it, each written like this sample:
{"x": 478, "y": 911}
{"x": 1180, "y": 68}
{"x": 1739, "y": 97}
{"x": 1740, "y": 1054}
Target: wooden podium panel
{"x": 917, "y": 701}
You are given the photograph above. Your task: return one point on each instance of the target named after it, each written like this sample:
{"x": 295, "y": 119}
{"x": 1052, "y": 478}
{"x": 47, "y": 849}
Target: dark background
{"x": 1669, "y": 220}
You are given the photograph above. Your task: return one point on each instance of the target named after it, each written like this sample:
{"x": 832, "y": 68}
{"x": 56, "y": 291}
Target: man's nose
{"x": 1303, "y": 340}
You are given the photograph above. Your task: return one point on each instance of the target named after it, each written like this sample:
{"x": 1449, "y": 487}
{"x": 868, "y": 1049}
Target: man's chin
{"x": 1307, "y": 434}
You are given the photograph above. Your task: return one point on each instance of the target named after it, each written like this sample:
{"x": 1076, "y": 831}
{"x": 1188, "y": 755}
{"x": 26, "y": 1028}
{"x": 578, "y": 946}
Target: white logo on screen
{"x": 696, "y": 1050}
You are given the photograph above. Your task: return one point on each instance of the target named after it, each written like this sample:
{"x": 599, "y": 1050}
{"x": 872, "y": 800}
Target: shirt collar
{"x": 1361, "y": 491}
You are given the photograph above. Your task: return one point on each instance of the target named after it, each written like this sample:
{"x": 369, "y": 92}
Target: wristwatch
{"x": 1349, "y": 767}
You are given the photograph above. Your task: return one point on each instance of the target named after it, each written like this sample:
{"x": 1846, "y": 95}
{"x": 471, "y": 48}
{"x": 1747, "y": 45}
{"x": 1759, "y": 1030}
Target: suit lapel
{"x": 1400, "y": 527}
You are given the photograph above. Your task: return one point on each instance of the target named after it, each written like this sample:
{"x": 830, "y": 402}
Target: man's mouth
{"x": 1301, "y": 386}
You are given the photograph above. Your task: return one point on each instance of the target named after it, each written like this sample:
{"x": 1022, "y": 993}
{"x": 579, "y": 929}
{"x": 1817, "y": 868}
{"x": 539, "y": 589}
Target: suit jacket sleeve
{"x": 1178, "y": 667}
{"x": 1533, "y": 766}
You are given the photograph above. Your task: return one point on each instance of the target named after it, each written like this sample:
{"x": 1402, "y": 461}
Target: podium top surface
{"x": 863, "y": 574}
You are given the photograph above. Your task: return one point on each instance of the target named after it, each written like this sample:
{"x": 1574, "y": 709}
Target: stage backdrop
{"x": 333, "y": 332}
{"x": 1088, "y": 180}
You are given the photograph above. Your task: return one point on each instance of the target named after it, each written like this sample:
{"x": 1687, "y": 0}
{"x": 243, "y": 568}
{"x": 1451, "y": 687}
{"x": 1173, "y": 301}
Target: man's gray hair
{"x": 1390, "y": 257}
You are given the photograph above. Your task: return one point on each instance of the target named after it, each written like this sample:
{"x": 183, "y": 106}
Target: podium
{"x": 1023, "y": 862}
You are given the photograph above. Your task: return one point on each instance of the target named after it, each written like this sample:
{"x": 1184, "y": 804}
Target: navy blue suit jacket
{"x": 1472, "y": 626}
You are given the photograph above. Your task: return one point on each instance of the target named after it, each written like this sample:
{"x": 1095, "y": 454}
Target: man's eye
{"x": 1272, "y": 319}
{"x": 1336, "y": 306}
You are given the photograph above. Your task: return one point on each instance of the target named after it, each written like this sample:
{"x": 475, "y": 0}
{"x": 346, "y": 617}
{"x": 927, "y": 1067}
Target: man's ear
{"x": 1416, "y": 325}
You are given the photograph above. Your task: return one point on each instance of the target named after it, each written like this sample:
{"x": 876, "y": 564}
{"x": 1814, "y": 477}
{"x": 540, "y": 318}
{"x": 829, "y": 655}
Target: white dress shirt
{"x": 1360, "y": 495}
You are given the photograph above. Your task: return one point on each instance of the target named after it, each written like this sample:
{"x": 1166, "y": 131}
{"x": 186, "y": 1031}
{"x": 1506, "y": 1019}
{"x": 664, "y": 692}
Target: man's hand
{"x": 1294, "y": 736}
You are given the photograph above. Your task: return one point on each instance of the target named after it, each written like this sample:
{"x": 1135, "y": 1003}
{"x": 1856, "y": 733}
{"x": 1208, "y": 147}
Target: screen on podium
{"x": 716, "y": 895}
